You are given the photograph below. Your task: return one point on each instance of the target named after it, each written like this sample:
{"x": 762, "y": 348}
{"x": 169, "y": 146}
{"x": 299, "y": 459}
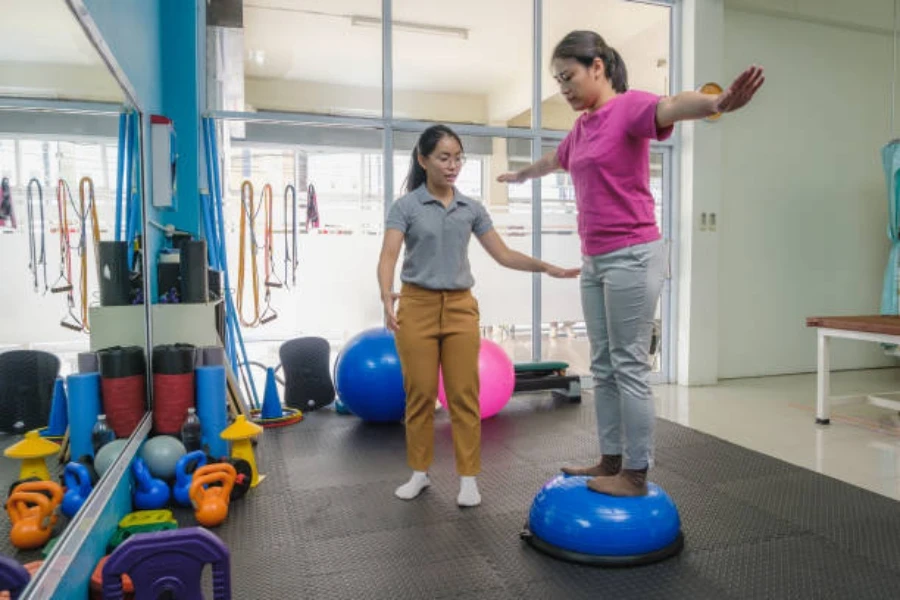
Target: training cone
{"x": 59, "y": 420}
{"x": 271, "y": 408}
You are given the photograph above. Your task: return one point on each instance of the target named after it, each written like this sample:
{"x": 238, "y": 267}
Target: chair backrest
{"x": 307, "y": 380}
{"x": 13, "y": 577}
{"x": 27, "y": 378}
{"x": 171, "y": 562}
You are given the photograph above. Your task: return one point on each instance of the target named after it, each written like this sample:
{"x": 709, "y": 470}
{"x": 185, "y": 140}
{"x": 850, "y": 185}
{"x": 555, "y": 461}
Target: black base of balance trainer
{"x": 594, "y": 560}
{"x": 544, "y": 376}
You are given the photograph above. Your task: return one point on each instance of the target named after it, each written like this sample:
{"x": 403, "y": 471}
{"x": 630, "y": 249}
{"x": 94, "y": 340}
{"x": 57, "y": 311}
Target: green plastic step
{"x": 541, "y": 366}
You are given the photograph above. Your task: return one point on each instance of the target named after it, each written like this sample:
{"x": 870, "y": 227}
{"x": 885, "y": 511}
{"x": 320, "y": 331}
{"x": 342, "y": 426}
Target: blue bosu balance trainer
{"x": 569, "y": 521}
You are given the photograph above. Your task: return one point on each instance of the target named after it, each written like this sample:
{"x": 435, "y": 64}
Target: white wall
{"x": 803, "y": 210}
{"x": 700, "y": 185}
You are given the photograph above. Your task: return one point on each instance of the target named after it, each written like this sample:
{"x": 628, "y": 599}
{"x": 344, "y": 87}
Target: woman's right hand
{"x": 390, "y": 315}
{"x": 514, "y": 177}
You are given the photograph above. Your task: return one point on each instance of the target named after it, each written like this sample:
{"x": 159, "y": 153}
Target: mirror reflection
{"x": 73, "y": 361}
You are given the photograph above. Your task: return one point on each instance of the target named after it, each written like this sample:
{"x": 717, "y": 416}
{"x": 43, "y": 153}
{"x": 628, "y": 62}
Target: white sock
{"x": 468, "y": 492}
{"x": 412, "y": 488}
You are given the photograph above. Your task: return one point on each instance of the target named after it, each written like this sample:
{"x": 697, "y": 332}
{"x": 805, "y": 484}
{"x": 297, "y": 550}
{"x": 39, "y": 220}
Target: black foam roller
{"x": 194, "y": 272}
{"x": 120, "y": 361}
{"x": 215, "y": 285}
{"x": 115, "y": 286}
{"x": 176, "y": 359}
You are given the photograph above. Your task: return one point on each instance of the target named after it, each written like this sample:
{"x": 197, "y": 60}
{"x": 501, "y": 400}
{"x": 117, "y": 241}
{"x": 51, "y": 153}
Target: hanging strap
{"x": 271, "y": 280}
{"x": 63, "y": 194}
{"x": 88, "y": 210}
{"x": 248, "y": 221}
{"x": 36, "y": 257}
{"x": 290, "y": 246}
{"x": 71, "y": 320}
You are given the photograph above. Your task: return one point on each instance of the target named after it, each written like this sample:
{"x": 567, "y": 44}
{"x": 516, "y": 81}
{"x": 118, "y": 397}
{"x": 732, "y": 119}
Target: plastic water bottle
{"x": 101, "y": 434}
{"x": 191, "y": 435}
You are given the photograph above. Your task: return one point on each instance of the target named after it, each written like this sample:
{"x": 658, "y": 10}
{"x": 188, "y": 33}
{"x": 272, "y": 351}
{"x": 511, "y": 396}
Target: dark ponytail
{"x": 425, "y": 146}
{"x": 416, "y": 175}
{"x": 585, "y": 47}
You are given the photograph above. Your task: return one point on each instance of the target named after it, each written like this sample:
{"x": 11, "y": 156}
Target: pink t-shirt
{"x": 607, "y": 154}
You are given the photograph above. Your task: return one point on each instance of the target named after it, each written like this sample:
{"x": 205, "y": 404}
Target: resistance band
{"x": 290, "y": 251}
{"x": 88, "y": 210}
{"x": 120, "y": 166}
{"x": 248, "y": 214}
{"x": 64, "y": 194}
{"x": 271, "y": 281}
{"x": 36, "y": 259}
{"x": 214, "y": 220}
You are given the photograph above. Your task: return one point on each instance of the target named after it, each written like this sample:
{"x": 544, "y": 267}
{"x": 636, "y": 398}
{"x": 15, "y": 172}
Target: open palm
{"x": 741, "y": 90}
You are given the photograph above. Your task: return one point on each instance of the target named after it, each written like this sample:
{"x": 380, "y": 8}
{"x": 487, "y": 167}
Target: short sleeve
{"x": 642, "y": 117}
{"x": 398, "y": 217}
{"x": 482, "y": 223}
{"x": 564, "y": 150}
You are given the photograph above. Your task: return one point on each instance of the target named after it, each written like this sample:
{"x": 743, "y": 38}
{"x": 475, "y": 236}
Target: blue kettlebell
{"x": 77, "y": 480}
{"x": 150, "y": 493}
{"x": 184, "y": 475}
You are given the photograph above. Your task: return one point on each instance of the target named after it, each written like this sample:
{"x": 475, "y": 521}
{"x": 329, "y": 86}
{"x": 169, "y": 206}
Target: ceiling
{"x": 314, "y": 40}
{"x": 44, "y": 53}
{"x": 44, "y": 31}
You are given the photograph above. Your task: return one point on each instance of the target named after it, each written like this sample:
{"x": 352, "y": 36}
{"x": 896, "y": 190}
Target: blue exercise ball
{"x": 570, "y": 521}
{"x": 369, "y": 379}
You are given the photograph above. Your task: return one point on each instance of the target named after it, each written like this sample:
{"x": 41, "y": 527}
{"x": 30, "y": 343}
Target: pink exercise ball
{"x": 497, "y": 377}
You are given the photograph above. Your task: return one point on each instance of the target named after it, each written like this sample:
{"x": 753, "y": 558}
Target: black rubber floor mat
{"x": 325, "y": 523}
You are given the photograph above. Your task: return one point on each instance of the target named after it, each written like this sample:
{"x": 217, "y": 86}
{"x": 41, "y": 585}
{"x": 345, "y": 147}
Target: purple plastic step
{"x": 169, "y": 561}
{"x": 13, "y": 577}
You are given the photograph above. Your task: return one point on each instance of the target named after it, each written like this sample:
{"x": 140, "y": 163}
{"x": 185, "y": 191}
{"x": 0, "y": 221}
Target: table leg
{"x": 823, "y": 387}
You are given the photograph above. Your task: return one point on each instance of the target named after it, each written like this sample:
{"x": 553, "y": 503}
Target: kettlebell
{"x": 77, "y": 479}
{"x": 211, "y": 503}
{"x": 243, "y": 479}
{"x": 184, "y": 472}
{"x": 18, "y": 482}
{"x": 150, "y": 493}
{"x": 32, "y": 513}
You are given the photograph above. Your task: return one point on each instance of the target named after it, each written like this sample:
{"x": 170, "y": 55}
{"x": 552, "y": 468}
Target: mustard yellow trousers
{"x": 440, "y": 329}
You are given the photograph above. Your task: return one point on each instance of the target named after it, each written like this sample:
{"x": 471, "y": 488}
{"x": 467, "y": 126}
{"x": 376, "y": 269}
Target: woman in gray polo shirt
{"x": 436, "y": 322}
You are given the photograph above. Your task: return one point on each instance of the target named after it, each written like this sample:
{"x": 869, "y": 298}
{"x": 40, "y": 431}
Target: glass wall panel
{"x": 463, "y": 62}
{"x": 639, "y": 31}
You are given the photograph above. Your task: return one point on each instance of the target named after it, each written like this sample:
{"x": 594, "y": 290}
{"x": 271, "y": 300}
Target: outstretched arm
{"x": 695, "y": 105}
{"x": 511, "y": 259}
{"x": 545, "y": 165}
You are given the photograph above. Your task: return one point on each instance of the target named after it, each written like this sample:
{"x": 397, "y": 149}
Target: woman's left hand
{"x": 560, "y": 273}
{"x": 741, "y": 90}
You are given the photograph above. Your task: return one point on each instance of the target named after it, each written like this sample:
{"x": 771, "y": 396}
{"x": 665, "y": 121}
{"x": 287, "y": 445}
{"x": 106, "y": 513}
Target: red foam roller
{"x": 172, "y": 396}
{"x": 124, "y": 402}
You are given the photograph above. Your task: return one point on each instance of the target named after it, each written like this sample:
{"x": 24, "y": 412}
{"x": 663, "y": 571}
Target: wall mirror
{"x": 74, "y": 358}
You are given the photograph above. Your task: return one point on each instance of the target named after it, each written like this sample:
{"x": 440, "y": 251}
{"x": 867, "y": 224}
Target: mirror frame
{"x": 66, "y": 569}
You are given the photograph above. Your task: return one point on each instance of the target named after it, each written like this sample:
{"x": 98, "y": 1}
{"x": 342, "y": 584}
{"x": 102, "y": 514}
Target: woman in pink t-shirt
{"x": 607, "y": 154}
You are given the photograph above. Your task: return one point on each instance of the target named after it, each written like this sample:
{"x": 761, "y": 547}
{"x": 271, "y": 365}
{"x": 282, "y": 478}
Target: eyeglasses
{"x": 447, "y": 160}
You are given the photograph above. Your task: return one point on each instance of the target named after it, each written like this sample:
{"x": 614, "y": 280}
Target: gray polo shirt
{"x": 437, "y": 238}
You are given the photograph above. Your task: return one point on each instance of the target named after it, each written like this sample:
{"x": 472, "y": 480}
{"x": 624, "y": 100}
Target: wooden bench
{"x": 881, "y": 329}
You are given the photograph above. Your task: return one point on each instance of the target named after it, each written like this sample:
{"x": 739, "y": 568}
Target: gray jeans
{"x": 619, "y": 295}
